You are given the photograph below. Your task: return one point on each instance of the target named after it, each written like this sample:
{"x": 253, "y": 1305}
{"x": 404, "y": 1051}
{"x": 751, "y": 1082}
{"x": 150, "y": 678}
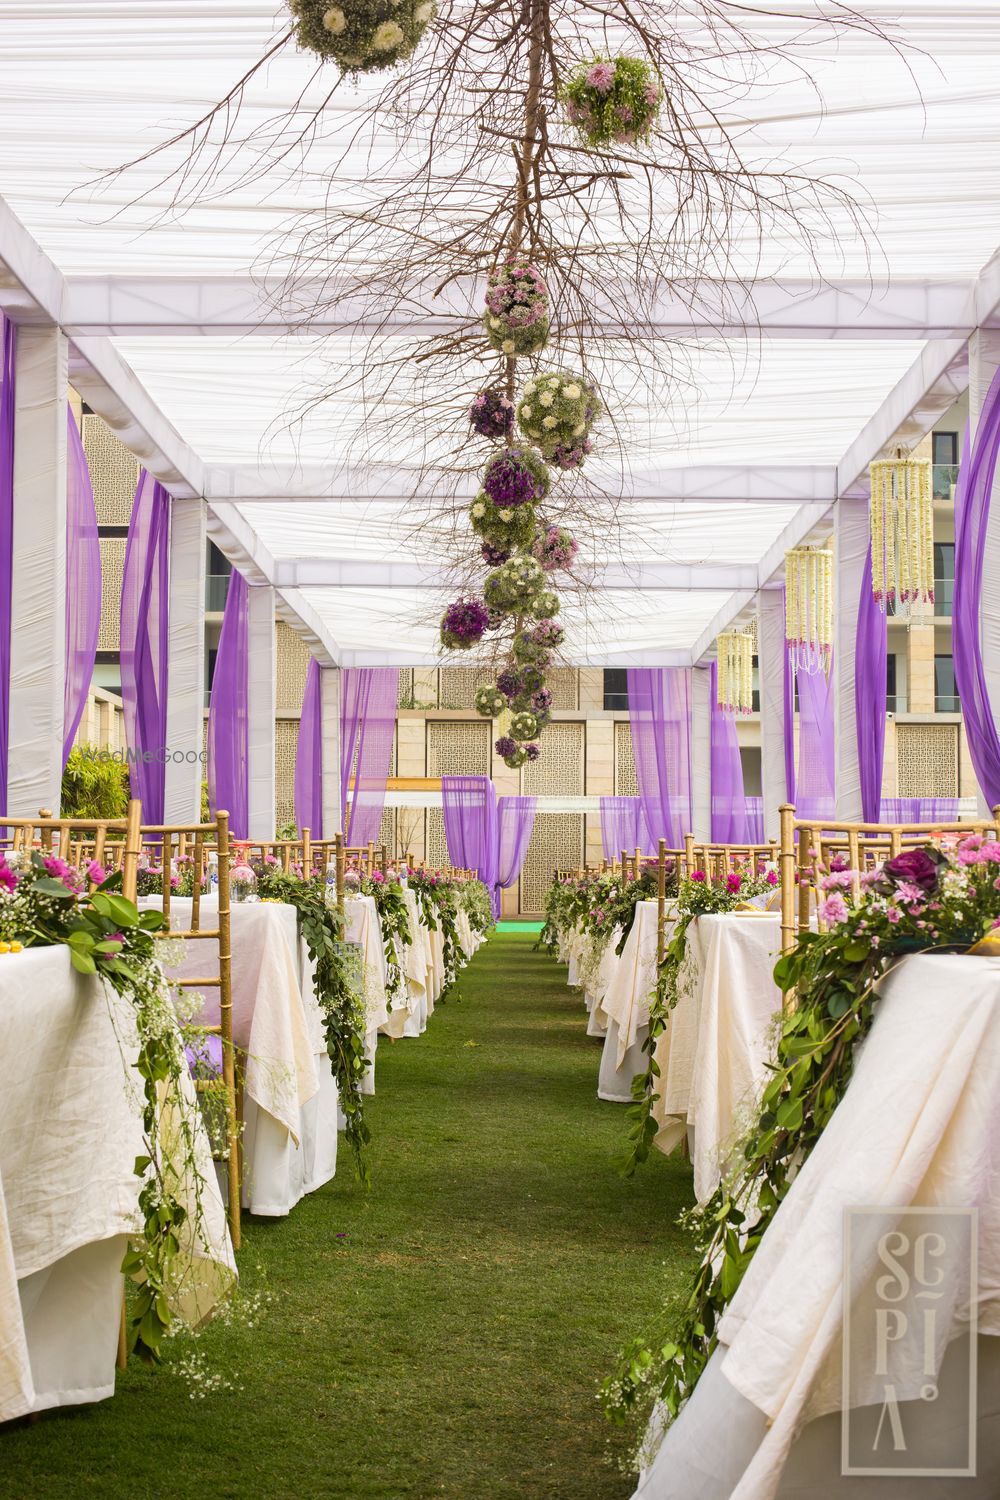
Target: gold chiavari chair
{"x": 719, "y": 860}
{"x": 109, "y": 842}
{"x": 201, "y": 844}
{"x": 808, "y": 849}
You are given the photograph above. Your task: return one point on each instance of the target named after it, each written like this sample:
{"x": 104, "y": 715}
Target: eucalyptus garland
{"x": 394, "y": 919}
{"x": 439, "y": 908}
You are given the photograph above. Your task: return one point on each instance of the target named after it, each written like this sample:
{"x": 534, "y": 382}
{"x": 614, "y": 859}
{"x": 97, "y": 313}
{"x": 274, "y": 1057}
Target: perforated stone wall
{"x": 556, "y": 843}
{"x": 927, "y": 760}
{"x": 458, "y": 749}
{"x": 114, "y": 473}
{"x": 559, "y": 771}
{"x": 112, "y": 573}
{"x": 626, "y": 784}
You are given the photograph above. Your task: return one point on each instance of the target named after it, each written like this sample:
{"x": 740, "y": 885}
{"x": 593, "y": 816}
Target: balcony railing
{"x": 895, "y": 703}
{"x": 947, "y": 703}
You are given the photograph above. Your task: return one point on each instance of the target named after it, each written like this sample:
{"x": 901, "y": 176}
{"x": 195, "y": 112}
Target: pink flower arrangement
{"x": 555, "y": 548}
{"x": 60, "y": 870}
{"x": 8, "y": 877}
{"x": 601, "y": 77}
{"x": 96, "y": 873}
{"x": 834, "y": 909}
{"x": 733, "y": 882}
{"x": 771, "y": 877}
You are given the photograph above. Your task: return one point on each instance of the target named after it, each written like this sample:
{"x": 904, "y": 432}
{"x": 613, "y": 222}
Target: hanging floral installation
{"x": 361, "y": 36}
{"x": 735, "y": 671}
{"x": 902, "y": 530}
{"x": 809, "y": 608}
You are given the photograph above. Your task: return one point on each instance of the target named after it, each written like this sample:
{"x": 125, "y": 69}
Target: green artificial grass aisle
{"x": 443, "y": 1335}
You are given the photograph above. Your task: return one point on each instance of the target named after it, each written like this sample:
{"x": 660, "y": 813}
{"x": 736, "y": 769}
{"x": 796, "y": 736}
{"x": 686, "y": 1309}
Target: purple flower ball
{"x": 509, "y": 683}
{"x": 494, "y": 556}
{"x": 532, "y": 751}
{"x": 541, "y": 701}
{"x": 492, "y": 414}
{"x": 467, "y": 619}
{"x": 505, "y": 746}
{"x": 509, "y": 481}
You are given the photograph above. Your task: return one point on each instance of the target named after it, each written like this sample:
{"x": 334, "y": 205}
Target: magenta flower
{"x": 834, "y": 909}
{"x": 60, "y": 870}
{"x": 733, "y": 882}
{"x": 771, "y": 877}
{"x": 601, "y": 77}
{"x": 465, "y": 622}
{"x": 698, "y": 875}
{"x": 893, "y": 915}
{"x": 96, "y": 873}
{"x": 8, "y": 879}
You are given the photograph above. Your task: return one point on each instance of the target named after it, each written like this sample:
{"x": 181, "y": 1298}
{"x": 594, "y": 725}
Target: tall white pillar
{"x": 185, "y": 766}
{"x": 330, "y": 700}
{"x": 771, "y": 672}
{"x": 262, "y": 707}
{"x": 38, "y": 586}
{"x": 984, "y": 359}
{"x": 851, "y": 534}
{"x": 701, "y": 754}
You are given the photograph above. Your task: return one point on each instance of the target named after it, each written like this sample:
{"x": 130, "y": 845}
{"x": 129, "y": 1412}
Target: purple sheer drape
{"x": 228, "y": 713}
{"x": 972, "y": 514}
{"x": 788, "y": 683}
{"x": 8, "y": 351}
{"x": 367, "y": 722}
{"x": 515, "y": 820}
{"x": 144, "y": 622}
{"x": 470, "y": 828}
{"x": 83, "y": 585}
{"x": 869, "y": 694}
{"x": 309, "y": 756}
{"x": 815, "y": 797}
{"x": 622, "y": 826}
{"x": 729, "y": 811}
{"x": 659, "y": 701}
{"x": 919, "y": 810}
{"x": 755, "y": 820}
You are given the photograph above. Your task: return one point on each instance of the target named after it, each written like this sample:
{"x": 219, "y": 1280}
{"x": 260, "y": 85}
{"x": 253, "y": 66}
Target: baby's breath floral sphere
{"x": 545, "y": 604}
{"x": 502, "y": 527}
{"x": 529, "y": 652}
{"x": 613, "y": 101}
{"x": 489, "y": 703}
{"x": 515, "y": 477}
{"x": 556, "y": 410}
{"x": 361, "y": 36}
{"x": 523, "y": 726}
{"x": 517, "y": 309}
{"x": 555, "y": 548}
{"x": 533, "y": 677}
{"x": 547, "y": 633}
{"x": 511, "y": 753}
{"x": 511, "y": 587}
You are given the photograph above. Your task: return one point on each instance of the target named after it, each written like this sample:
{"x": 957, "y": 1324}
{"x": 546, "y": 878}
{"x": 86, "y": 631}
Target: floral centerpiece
{"x": 514, "y": 585}
{"x": 361, "y": 36}
{"x": 517, "y": 308}
{"x": 242, "y": 878}
{"x": 613, "y": 101}
{"x": 502, "y": 527}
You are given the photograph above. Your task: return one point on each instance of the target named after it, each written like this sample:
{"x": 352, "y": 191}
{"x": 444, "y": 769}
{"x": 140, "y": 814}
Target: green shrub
{"x": 95, "y": 784}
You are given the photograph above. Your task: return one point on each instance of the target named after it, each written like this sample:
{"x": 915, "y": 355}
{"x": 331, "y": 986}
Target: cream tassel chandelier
{"x": 809, "y": 608}
{"x": 734, "y": 649}
{"x": 902, "y": 529}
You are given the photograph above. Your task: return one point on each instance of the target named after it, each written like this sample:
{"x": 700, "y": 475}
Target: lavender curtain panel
{"x": 869, "y": 694}
{"x": 755, "y": 820}
{"x": 729, "y": 811}
{"x": 659, "y": 701}
{"x": 367, "y": 722}
{"x": 788, "y": 682}
{"x": 470, "y": 828}
{"x": 83, "y": 585}
{"x": 228, "y": 714}
{"x": 972, "y": 514}
{"x": 8, "y": 350}
{"x": 309, "y": 756}
{"x": 144, "y": 622}
{"x": 919, "y": 810}
{"x": 622, "y": 827}
{"x": 815, "y": 782}
{"x": 515, "y": 820}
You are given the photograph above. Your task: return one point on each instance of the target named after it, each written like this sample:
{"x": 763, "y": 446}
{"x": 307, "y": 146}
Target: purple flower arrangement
{"x": 517, "y": 309}
{"x": 494, "y": 556}
{"x": 613, "y": 101}
{"x": 541, "y": 702}
{"x": 532, "y": 752}
{"x": 548, "y": 634}
{"x": 506, "y": 747}
{"x": 515, "y": 477}
{"x": 464, "y": 624}
{"x": 555, "y": 548}
{"x": 510, "y": 684}
{"x": 492, "y": 414}
{"x": 570, "y": 455}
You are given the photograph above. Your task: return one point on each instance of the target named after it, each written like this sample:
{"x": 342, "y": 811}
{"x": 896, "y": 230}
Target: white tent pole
{"x": 185, "y": 768}
{"x": 330, "y": 703}
{"x": 262, "y": 703}
{"x": 770, "y": 658}
{"x": 38, "y": 588}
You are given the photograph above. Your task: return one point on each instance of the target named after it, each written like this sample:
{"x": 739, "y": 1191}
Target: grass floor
{"x": 443, "y": 1335}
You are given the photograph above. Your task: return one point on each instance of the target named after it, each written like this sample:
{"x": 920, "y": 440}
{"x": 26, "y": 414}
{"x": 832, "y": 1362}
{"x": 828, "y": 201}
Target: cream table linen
{"x": 625, "y": 1006}
{"x": 70, "y": 1130}
{"x": 714, "y": 1051}
{"x": 919, "y": 1125}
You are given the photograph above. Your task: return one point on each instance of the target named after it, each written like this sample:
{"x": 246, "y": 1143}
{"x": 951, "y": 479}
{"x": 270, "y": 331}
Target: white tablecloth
{"x": 625, "y": 1007}
{"x": 713, "y": 1054}
{"x": 410, "y": 1008}
{"x": 70, "y": 1130}
{"x": 919, "y": 1125}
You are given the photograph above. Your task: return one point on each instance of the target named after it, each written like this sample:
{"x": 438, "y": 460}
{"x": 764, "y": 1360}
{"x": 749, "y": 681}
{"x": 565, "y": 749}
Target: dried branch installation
{"x": 519, "y": 218}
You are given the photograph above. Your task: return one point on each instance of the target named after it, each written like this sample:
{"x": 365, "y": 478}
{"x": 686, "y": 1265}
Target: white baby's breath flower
{"x": 505, "y": 515}
{"x": 494, "y": 322}
{"x": 572, "y": 391}
{"x": 530, "y": 388}
{"x": 334, "y": 21}
{"x": 507, "y": 347}
{"x": 387, "y": 36}
{"x": 423, "y": 13}
{"x": 478, "y": 510}
{"x": 549, "y": 422}
{"x": 546, "y": 398}
{"x": 580, "y": 430}
{"x": 526, "y": 412}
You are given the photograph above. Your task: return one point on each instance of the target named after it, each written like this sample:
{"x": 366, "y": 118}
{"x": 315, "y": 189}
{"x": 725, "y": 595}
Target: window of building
{"x": 218, "y": 570}
{"x": 616, "y": 688}
{"x": 894, "y": 703}
{"x": 944, "y": 577}
{"x": 755, "y": 700}
{"x": 945, "y": 688}
{"x": 944, "y": 460}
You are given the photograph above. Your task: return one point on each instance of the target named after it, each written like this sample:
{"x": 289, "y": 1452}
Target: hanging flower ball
{"x": 532, "y": 752}
{"x": 502, "y": 527}
{"x": 361, "y": 36}
{"x": 510, "y": 684}
{"x": 464, "y": 624}
{"x": 523, "y": 726}
{"x": 494, "y": 556}
{"x": 533, "y": 677}
{"x": 571, "y": 455}
{"x": 513, "y": 585}
{"x": 529, "y": 652}
{"x": 510, "y": 752}
{"x": 556, "y": 411}
{"x": 492, "y": 414}
{"x": 545, "y": 604}
{"x": 489, "y": 703}
{"x": 613, "y": 101}
{"x": 541, "y": 702}
{"x": 547, "y": 634}
{"x": 555, "y": 548}
{"x": 517, "y": 309}
{"x": 515, "y": 477}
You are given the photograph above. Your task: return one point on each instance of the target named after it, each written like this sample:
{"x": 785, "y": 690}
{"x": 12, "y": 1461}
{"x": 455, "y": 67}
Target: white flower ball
{"x": 546, "y": 398}
{"x": 387, "y": 36}
{"x": 549, "y": 422}
{"x": 334, "y": 21}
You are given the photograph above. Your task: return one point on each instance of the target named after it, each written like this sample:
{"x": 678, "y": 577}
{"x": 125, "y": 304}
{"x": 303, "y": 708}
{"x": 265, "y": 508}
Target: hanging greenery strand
{"x": 809, "y": 608}
{"x": 902, "y": 532}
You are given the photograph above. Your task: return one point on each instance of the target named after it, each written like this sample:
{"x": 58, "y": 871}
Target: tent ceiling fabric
{"x": 734, "y": 457}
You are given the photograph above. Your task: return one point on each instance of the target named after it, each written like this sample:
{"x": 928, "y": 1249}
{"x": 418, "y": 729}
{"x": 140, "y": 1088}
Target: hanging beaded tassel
{"x": 734, "y": 649}
{"x": 902, "y": 530}
{"x": 809, "y": 608}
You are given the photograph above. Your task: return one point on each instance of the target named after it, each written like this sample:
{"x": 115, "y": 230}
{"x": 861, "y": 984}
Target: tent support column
{"x": 38, "y": 580}
{"x": 770, "y": 658}
{"x": 330, "y": 702}
{"x": 851, "y": 537}
{"x": 261, "y": 710}
{"x": 185, "y": 767}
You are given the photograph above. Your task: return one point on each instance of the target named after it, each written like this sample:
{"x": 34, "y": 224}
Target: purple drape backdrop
{"x": 729, "y": 810}
{"x": 8, "y": 346}
{"x": 515, "y": 820}
{"x": 919, "y": 810}
{"x": 622, "y": 826}
{"x": 755, "y": 820}
{"x": 788, "y": 682}
{"x": 869, "y": 694}
{"x": 659, "y": 701}
{"x": 972, "y": 513}
{"x": 83, "y": 585}
{"x": 367, "y": 723}
{"x": 309, "y": 756}
{"x": 815, "y": 797}
{"x": 144, "y": 622}
{"x": 470, "y": 828}
{"x": 228, "y": 713}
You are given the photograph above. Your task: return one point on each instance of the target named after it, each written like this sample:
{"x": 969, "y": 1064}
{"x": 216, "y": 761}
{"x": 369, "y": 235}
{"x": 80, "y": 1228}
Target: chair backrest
{"x": 716, "y": 861}
{"x": 112, "y": 843}
{"x": 809, "y": 846}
